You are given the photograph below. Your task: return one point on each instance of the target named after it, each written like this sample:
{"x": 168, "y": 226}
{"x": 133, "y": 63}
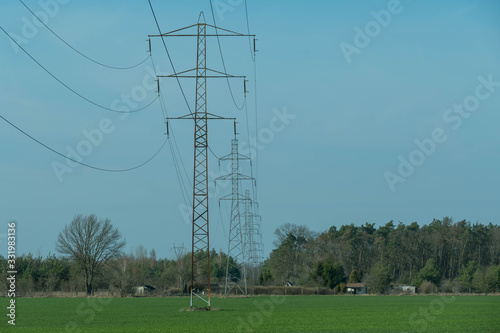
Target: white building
{"x": 356, "y": 288}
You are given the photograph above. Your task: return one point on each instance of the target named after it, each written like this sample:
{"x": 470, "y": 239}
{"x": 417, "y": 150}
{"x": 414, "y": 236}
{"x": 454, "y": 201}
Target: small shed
{"x": 409, "y": 289}
{"x": 143, "y": 290}
{"x": 356, "y": 288}
{"x": 402, "y": 288}
{"x": 202, "y": 290}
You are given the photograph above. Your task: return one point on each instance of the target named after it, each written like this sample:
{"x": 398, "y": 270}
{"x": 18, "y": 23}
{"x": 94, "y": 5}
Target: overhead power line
{"x": 68, "y": 87}
{"x": 170, "y": 58}
{"x": 253, "y": 57}
{"x": 252, "y": 54}
{"x": 83, "y": 164}
{"x": 174, "y": 148}
{"x": 210, "y": 148}
{"x": 74, "y": 49}
{"x": 224, "y": 63}
{"x": 256, "y": 121}
{"x": 177, "y": 160}
{"x": 200, "y": 253}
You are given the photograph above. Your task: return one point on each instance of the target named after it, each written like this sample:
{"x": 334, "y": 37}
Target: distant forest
{"x": 443, "y": 256}
{"x": 454, "y": 257}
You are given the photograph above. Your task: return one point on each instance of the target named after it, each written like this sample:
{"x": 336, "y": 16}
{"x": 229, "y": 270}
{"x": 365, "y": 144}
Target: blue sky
{"x": 351, "y": 123}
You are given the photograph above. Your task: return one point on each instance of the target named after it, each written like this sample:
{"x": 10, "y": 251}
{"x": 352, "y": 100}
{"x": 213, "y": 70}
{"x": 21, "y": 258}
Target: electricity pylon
{"x": 200, "y": 254}
{"x": 236, "y": 276}
{"x": 252, "y": 236}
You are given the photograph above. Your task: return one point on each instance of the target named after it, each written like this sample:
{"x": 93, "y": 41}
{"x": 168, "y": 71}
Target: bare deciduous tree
{"x": 181, "y": 264}
{"x": 90, "y": 243}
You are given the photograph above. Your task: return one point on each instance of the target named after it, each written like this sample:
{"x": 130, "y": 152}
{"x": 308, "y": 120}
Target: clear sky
{"x": 388, "y": 111}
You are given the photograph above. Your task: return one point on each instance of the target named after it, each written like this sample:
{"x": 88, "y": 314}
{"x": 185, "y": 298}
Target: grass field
{"x": 258, "y": 314}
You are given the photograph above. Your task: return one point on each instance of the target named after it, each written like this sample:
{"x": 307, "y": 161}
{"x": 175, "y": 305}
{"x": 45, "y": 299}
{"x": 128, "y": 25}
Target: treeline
{"x": 441, "y": 256}
{"x": 454, "y": 257}
{"x": 119, "y": 277}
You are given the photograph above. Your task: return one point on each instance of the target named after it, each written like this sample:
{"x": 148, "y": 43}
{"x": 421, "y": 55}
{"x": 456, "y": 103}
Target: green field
{"x": 258, "y": 314}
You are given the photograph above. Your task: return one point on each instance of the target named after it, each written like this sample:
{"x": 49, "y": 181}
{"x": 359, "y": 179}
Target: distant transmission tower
{"x": 253, "y": 237}
{"x": 236, "y": 276}
{"x": 200, "y": 255}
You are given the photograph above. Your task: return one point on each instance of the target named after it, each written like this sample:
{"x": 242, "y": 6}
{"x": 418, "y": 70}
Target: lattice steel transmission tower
{"x": 200, "y": 255}
{"x": 253, "y": 237}
{"x": 236, "y": 276}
